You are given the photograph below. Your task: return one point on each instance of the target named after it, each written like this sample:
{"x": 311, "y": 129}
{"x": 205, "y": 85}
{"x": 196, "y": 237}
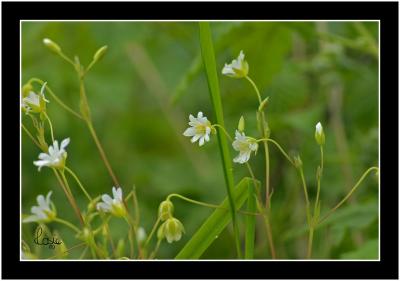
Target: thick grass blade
{"x": 207, "y": 52}
{"x": 215, "y": 223}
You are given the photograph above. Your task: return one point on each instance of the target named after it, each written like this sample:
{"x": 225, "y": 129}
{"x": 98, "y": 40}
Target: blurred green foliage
{"x": 152, "y": 78}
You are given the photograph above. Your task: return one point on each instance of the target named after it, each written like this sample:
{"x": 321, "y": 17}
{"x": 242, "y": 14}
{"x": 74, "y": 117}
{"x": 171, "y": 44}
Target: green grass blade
{"x": 215, "y": 224}
{"x": 207, "y": 52}
{"x": 250, "y": 222}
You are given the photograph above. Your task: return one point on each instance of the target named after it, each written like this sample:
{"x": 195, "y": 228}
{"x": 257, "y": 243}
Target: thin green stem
{"x": 305, "y": 195}
{"x": 102, "y": 154}
{"x": 153, "y": 230}
{"x": 255, "y": 88}
{"x": 349, "y": 194}
{"x": 153, "y": 254}
{"x": 279, "y": 147}
{"x": 83, "y": 253}
{"x": 50, "y": 125}
{"x": 319, "y": 175}
{"x": 250, "y": 222}
{"x": 67, "y": 59}
{"x": 58, "y": 100}
{"x": 310, "y": 242}
{"x": 70, "y": 225}
{"x": 224, "y": 130}
{"x": 69, "y": 196}
{"x": 79, "y": 183}
{"x": 30, "y": 136}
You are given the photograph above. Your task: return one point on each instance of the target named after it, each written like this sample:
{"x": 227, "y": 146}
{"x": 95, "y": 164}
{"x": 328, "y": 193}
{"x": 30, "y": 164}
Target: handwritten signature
{"x": 45, "y": 240}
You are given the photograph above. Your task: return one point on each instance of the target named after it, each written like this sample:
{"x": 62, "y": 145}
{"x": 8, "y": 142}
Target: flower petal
{"x": 107, "y": 199}
{"x": 64, "y": 143}
{"x": 101, "y": 206}
{"x": 189, "y": 132}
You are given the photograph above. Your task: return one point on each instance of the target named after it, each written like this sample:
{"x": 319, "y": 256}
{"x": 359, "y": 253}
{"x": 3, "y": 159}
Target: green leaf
{"x": 207, "y": 52}
{"x": 367, "y": 251}
{"x": 250, "y": 221}
{"x": 215, "y": 224}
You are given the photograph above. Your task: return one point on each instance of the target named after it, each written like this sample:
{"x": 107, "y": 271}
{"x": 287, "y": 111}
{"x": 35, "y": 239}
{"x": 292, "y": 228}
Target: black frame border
{"x": 386, "y": 12}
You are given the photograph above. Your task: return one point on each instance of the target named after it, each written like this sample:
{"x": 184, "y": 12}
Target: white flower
{"x": 238, "y": 67}
{"x": 43, "y": 212}
{"x": 55, "y": 157}
{"x": 319, "y": 134}
{"x": 114, "y": 205}
{"x": 35, "y": 102}
{"x": 245, "y": 145}
{"x": 200, "y": 128}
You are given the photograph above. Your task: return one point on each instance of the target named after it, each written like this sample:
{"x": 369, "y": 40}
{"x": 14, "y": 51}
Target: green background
{"x": 152, "y": 78}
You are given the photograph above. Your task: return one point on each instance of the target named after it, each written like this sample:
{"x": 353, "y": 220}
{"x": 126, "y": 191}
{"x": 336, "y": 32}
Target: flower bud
{"x": 165, "y": 210}
{"x": 141, "y": 235}
{"x": 319, "y": 134}
{"x": 160, "y": 232}
{"x": 26, "y": 89}
{"x": 241, "y": 124}
{"x": 52, "y": 46}
{"x": 118, "y": 209}
{"x": 297, "y": 162}
{"x": 173, "y": 230}
{"x": 100, "y": 53}
{"x": 263, "y": 104}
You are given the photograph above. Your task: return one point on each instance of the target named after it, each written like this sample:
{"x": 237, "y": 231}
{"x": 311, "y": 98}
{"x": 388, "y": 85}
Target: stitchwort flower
{"x": 200, "y": 128}
{"x": 32, "y": 102}
{"x": 44, "y": 212}
{"x": 245, "y": 145}
{"x": 55, "y": 157}
{"x": 238, "y": 68}
{"x": 114, "y": 205}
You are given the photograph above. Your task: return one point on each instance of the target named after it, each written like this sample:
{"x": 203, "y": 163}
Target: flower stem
{"x": 255, "y": 88}
{"x": 70, "y": 225}
{"x": 153, "y": 230}
{"x": 310, "y": 242}
{"x": 58, "y": 100}
{"x": 153, "y": 254}
{"x": 79, "y": 183}
{"x": 224, "y": 130}
{"x": 349, "y": 194}
{"x": 102, "y": 153}
{"x": 30, "y": 136}
{"x": 50, "y": 125}
{"x": 69, "y": 197}
{"x": 279, "y": 147}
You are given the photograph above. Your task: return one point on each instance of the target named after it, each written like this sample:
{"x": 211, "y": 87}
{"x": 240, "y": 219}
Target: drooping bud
{"x": 173, "y": 230}
{"x": 263, "y": 104}
{"x": 297, "y": 162}
{"x": 165, "y": 210}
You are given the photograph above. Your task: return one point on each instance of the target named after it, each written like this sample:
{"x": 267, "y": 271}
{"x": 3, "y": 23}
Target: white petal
{"x": 41, "y": 163}
{"x": 42, "y": 202}
{"x": 44, "y": 156}
{"x": 48, "y": 198}
{"x": 201, "y": 141}
{"x": 191, "y": 118}
{"x": 195, "y": 138}
{"x": 200, "y": 114}
{"x": 30, "y": 219}
{"x": 64, "y": 143}
{"x": 107, "y": 199}
{"x": 207, "y": 137}
{"x": 189, "y": 132}
{"x": 101, "y": 206}
{"x": 117, "y": 192}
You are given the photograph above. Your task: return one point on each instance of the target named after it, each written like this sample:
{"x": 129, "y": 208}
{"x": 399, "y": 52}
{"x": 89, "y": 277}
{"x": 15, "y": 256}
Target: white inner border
{"x": 216, "y": 260}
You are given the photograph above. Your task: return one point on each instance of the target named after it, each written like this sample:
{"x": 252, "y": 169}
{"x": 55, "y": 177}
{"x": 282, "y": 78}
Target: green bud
{"x": 26, "y": 89}
{"x": 160, "y": 232}
{"x": 319, "y": 134}
{"x": 263, "y": 104}
{"x": 165, "y": 210}
{"x": 141, "y": 235}
{"x": 241, "y": 124}
{"x": 118, "y": 209}
{"x": 52, "y": 46}
{"x": 173, "y": 230}
{"x": 100, "y": 53}
{"x": 297, "y": 162}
